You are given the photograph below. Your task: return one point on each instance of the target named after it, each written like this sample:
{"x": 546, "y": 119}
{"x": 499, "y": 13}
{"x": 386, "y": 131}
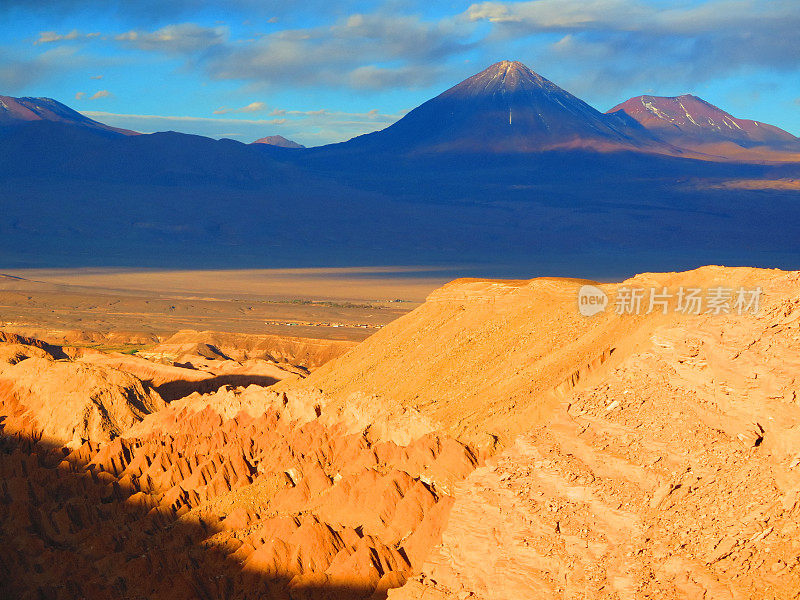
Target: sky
{"x": 319, "y": 71}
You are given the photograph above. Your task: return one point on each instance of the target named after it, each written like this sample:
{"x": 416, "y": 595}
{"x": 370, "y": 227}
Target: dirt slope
{"x": 674, "y": 475}
{"x": 492, "y": 357}
{"x": 239, "y": 494}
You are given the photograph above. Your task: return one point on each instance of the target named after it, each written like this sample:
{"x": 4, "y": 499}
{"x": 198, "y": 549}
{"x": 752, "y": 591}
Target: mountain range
{"x": 505, "y": 168}
{"x": 508, "y": 108}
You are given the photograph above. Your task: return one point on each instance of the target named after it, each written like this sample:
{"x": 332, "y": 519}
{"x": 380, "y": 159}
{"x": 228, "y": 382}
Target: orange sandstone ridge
{"x": 492, "y": 443}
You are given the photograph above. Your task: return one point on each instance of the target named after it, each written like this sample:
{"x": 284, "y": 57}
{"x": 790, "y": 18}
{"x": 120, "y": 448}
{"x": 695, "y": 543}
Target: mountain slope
{"x": 646, "y": 456}
{"x": 506, "y": 108}
{"x": 668, "y": 472}
{"x": 19, "y": 111}
{"x": 690, "y": 121}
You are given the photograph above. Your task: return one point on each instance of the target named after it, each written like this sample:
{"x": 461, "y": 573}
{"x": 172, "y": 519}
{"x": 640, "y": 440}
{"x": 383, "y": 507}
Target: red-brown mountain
{"x": 506, "y": 108}
{"x": 278, "y": 140}
{"x": 689, "y": 121}
{"x": 19, "y": 111}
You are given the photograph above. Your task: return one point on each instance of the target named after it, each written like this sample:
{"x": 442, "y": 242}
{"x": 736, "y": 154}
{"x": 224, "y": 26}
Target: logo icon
{"x": 591, "y": 300}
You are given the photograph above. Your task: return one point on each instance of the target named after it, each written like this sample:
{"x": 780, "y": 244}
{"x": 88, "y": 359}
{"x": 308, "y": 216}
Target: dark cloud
{"x": 361, "y": 51}
{"x": 20, "y": 71}
{"x": 154, "y": 11}
{"x": 625, "y": 41}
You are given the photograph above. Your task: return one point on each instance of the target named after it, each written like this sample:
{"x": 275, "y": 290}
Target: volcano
{"x": 507, "y": 108}
{"x": 691, "y": 122}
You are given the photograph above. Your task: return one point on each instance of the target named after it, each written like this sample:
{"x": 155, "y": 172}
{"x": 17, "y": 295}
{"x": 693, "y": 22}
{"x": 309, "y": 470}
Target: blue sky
{"x": 320, "y": 72}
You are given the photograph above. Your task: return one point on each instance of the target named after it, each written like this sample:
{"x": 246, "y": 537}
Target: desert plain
{"x": 479, "y": 438}
{"x": 138, "y": 307}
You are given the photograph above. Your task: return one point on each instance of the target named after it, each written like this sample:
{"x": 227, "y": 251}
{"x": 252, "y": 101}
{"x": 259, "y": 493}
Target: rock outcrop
{"x": 67, "y": 403}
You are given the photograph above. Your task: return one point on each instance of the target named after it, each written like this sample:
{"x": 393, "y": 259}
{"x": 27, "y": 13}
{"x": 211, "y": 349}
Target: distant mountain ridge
{"x": 279, "y": 141}
{"x": 689, "y": 121}
{"x": 19, "y": 111}
{"x": 505, "y": 168}
{"x": 509, "y": 109}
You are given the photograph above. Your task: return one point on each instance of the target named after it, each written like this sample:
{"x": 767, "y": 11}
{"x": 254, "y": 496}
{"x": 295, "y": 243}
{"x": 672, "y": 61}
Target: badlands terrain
{"x": 492, "y": 443}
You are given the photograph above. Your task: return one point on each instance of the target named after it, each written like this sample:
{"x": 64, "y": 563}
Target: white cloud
{"x": 253, "y": 107}
{"x": 48, "y": 37}
{"x": 563, "y": 14}
{"x": 96, "y": 113}
{"x": 80, "y": 95}
{"x": 314, "y": 127}
{"x": 100, "y": 94}
{"x": 177, "y": 39}
{"x": 373, "y": 114}
{"x": 378, "y": 78}
{"x": 18, "y": 70}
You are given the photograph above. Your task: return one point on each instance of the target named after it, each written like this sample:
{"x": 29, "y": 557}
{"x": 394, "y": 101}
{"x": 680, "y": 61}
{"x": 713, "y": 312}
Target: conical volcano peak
{"x": 509, "y": 66}
{"x": 506, "y": 108}
{"x": 514, "y": 72}
{"x": 506, "y": 75}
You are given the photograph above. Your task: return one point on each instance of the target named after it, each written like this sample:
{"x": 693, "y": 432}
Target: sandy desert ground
{"x": 492, "y": 443}
{"x": 138, "y": 308}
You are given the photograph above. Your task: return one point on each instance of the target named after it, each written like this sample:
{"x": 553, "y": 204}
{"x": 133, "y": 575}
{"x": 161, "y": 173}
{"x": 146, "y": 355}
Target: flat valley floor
{"x": 130, "y": 309}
